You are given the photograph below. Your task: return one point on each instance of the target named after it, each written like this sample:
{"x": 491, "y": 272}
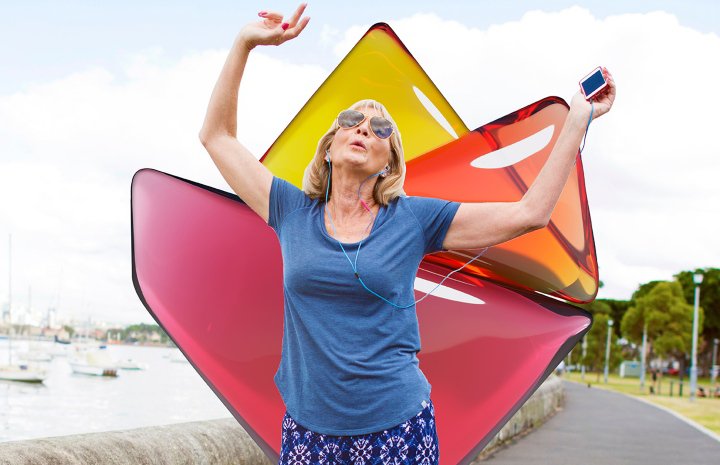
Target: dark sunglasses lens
{"x": 350, "y": 118}
{"x": 381, "y": 127}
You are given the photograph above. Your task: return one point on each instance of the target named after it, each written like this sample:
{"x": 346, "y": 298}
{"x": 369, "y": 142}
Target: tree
{"x": 70, "y": 330}
{"x": 710, "y": 301}
{"x": 617, "y": 311}
{"x": 597, "y": 339}
{"x": 661, "y": 309}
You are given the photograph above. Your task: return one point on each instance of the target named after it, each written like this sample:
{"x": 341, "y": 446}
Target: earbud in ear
{"x": 327, "y": 156}
{"x": 385, "y": 172}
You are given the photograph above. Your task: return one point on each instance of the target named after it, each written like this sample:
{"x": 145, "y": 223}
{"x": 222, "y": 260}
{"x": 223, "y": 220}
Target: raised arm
{"x": 486, "y": 224}
{"x": 241, "y": 169}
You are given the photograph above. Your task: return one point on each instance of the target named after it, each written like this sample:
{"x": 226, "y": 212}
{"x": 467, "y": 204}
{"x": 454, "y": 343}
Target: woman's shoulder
{"x": 288, "y": 189}
{"x": 285, "y": 199}
{"x": 415, "y": 202}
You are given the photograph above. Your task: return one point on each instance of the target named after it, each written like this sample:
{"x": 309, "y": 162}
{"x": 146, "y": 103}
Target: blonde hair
{"x": 386, "y": 189}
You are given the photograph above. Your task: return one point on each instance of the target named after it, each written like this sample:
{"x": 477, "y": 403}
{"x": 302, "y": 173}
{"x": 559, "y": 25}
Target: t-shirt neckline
{"x": 323, "y": 229}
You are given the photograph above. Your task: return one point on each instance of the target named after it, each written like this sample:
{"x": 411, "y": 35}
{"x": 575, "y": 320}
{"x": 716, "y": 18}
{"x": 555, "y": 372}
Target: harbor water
{"x": 168, "y": 391}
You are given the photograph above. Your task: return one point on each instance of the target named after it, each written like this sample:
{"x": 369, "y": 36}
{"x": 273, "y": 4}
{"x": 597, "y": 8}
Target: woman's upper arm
{"x": 249, "y": 178}
{"x": 484, "y": 224}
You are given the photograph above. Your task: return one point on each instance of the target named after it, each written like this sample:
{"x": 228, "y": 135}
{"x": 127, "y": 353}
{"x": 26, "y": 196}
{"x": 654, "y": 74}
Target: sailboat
{"x": 18, "y": 371}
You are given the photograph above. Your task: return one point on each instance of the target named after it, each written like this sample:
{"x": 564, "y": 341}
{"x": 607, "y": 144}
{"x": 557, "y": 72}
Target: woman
{"x": 351, "y": 245}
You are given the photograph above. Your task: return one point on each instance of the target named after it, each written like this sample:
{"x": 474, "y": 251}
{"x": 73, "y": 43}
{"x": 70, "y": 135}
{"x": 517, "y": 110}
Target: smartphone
{"x": 593, "y": 83}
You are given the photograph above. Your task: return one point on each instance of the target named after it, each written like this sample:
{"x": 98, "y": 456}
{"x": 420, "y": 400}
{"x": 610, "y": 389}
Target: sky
{"x": 91, "y": 93}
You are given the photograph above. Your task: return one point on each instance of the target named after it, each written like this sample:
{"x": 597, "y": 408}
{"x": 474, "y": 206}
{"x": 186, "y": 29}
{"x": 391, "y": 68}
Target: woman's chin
{"x": 356, "y": 159}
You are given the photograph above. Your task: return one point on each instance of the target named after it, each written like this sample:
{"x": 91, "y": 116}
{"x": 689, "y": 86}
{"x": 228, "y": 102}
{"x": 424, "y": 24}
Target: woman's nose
{"x": 363, "y": 128}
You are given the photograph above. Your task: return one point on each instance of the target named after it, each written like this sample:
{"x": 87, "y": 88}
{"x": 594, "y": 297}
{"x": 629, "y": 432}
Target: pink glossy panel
{"x": 209, "y": 271}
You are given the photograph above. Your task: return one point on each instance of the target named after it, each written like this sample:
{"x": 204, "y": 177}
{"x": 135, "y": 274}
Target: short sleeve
{"x": 285, "y": 198}
{"x": 434, "y": 217}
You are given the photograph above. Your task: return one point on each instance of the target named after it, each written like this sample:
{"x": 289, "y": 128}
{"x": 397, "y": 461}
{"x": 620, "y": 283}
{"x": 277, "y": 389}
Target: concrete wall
{"x": 215, "y": 442}
{"x": 543, "y": 404}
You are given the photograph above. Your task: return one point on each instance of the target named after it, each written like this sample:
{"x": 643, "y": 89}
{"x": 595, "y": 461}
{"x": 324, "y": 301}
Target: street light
{"x": 584, "y": 352}
{"x": 714, "y": 369}
{"x": 607, "y": 349}
{"x": 697, "y": 279}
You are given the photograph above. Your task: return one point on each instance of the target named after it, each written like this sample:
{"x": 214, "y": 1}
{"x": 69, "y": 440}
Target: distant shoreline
{"x": 114, "y": 343}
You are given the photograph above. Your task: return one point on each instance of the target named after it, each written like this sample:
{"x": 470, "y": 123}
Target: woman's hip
{"x": 411, "y": 442}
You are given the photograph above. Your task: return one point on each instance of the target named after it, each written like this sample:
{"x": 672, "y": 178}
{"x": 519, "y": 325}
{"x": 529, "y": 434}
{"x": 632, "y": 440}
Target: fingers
{"x": 293, "y": 32}
{"x": 296, "y": 16}
{"x": 271, "y": 16}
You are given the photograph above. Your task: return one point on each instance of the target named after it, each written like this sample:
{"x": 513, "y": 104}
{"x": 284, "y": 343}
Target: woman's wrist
{"x": 242, "y": 41}
{"x": 578, "y": 117}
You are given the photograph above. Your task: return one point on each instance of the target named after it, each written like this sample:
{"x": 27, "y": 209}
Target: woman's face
{"x": 359, "y": 148}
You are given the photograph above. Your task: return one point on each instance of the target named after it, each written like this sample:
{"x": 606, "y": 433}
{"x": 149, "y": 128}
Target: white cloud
{"x": 650, "y": 165}
{"x": 71, "y": 146}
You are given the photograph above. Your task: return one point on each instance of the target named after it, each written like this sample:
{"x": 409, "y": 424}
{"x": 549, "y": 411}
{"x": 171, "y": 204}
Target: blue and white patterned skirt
{"x": 412, "y": 442}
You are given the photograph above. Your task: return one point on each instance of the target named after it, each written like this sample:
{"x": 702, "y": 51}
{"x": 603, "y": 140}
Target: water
{"x": 68, "y": 403}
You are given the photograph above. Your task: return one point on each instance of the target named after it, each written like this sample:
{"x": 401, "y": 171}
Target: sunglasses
{"x": 381, "y": 127}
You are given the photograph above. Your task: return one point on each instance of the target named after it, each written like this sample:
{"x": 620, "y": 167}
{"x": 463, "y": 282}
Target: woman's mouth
{"x": 357, "y": 143}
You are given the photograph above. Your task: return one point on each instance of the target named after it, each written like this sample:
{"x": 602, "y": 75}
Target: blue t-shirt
{"x": 349, "y": 361}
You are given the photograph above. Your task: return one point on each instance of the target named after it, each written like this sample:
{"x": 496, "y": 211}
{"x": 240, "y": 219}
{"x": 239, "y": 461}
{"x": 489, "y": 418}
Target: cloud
{"x": 71, "y": 146}
{"x": 648, "y": 164}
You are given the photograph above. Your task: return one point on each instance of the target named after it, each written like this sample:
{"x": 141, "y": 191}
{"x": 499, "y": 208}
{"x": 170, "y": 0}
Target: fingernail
{"x": 262, "y": 13}
{"x": 285, "y": 26}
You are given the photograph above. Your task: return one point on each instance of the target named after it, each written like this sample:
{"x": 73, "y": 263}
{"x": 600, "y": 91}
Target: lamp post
{"x": 607, "y": 349}
{"x": 643, "y": 358}
{"x": 584, "y": 351}
{"x": 714, "y": 369}
{"x": 697, "y": 279}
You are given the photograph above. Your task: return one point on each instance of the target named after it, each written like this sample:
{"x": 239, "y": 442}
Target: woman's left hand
{"x": 602, "y": 102}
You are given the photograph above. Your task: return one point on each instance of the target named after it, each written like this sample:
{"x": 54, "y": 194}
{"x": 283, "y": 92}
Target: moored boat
{"x": 22, "y": 373}
{"x": 94, "y": 363}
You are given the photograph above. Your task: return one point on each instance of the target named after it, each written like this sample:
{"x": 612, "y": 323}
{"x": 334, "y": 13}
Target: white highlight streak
{"x": 434, "y": 112}
{"x": 516, "y": 152}
{"x": 423, "y": 285}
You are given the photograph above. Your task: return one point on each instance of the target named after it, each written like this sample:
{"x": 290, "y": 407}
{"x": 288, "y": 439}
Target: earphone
{"x": 354, "y": 265}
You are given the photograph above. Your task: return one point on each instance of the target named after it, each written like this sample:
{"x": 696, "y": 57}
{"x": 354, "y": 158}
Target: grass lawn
{"x": 705, "y": 411}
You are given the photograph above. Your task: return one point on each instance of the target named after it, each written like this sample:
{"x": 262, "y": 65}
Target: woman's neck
{"x": 344, "y": 200}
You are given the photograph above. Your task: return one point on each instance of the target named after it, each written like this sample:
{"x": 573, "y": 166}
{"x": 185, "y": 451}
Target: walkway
{"x": 604, "y": 427}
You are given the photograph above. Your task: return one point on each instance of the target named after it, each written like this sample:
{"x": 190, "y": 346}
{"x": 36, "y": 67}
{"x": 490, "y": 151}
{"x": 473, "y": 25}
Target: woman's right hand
{"x": 272, "y": 30}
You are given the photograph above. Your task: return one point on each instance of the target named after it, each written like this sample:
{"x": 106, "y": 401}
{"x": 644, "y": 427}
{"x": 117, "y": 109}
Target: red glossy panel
{"x": 556, "y": 260}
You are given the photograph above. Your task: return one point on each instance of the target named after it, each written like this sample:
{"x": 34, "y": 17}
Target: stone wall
{"x": 216, "y": 442}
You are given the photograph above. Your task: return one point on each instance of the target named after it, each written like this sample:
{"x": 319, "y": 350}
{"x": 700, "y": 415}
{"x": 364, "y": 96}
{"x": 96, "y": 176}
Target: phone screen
{"x": 593, "y": 82}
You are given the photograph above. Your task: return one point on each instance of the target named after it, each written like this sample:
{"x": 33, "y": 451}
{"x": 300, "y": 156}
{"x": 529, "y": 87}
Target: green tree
{"x": 597, "y": 339}
{"x": 661, "y": 307}
{"x": 70, "y": 330}
{"x": 710, "y": 301}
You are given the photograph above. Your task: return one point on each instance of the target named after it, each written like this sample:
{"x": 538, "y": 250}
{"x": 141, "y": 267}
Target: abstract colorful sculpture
{"x": 209, "y": 269}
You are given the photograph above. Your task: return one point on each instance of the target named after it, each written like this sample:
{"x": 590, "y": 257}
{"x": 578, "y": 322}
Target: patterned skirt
{"x": 412, "y": 442}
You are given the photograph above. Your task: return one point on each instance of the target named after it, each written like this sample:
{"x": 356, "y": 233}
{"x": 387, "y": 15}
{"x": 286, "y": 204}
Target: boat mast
{"x": 10, "y": 298}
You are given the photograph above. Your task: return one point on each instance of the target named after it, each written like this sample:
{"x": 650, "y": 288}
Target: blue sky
{"x": 44, "y": 40}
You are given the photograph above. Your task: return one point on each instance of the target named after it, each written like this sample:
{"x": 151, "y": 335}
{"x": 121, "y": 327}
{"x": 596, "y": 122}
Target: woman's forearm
{"x": 543, "y": 194}
{"x": 221, "y": 116}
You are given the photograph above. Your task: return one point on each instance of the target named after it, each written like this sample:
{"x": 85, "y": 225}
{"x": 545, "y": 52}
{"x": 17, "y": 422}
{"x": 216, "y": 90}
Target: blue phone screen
{"x": 595, "y": 80}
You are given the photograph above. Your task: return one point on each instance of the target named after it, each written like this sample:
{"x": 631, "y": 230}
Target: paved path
{"x": 604, "y": 427}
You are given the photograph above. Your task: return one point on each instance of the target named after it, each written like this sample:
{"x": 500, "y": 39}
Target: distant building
{"x": 51, "y": 318}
